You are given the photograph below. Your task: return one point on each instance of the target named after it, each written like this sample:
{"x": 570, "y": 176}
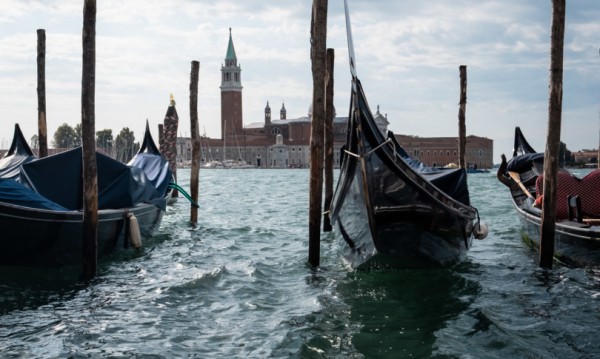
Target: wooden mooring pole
{"x": 171, "y": 123}
{"x": 462, "y": 129}
{"x": 329, "y": 116}
{"x": 318, "y": 36}
{"x": 41, "y": 93}
{"x": 90, "y": 179}
{"x": 195, "y": 133}
{"x": 161, "y": 138}
{"x": 553, "y": 136}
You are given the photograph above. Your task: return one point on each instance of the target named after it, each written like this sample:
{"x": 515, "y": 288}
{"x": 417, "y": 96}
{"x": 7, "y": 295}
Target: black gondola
{"x": 40, "y": 207}
{"x": 390, "y": 209}
{"x": 577, "y": 226}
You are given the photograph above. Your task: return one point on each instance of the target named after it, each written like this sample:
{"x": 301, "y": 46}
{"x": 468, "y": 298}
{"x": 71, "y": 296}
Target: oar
{"x": 515, "y": 176}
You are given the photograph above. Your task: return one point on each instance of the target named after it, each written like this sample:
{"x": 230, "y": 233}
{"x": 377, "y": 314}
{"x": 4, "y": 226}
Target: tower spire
{"x": 230, "y": 57}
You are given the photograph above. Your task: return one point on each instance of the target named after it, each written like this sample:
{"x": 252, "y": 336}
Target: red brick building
{"x": 285, "y": 142}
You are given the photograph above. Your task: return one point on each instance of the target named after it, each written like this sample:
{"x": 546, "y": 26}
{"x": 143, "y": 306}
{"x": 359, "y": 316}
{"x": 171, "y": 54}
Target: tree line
{"x": 122, "y": 148}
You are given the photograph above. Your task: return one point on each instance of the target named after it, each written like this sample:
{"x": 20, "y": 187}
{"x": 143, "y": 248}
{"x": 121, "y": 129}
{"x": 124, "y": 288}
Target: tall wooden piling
{"x": 161, "y": 138}
{"x": 317, "y": 55}
{"x": 195, "y": 133}
{"x": 462, "y": 129}
{"x": 41, "y": 93}
{"x": 171, "y": 123}
{"x": 90, "y": 179}
{"x": 553, "y": 135}
{"x": 329, "y": 116}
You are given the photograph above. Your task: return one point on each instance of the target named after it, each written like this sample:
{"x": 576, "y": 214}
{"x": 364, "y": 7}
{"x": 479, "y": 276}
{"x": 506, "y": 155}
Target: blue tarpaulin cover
{"x": 15, "y": 193}
{"x": 59, "y": 179}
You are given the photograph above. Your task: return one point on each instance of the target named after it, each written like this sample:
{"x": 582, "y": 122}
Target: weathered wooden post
{"x": 317, "y": 54}
{"x": 553, "y": 136}
{"x": 195, "y": 134}
{"x": 161, "y": 139}
{"x": 171, "y": 122}
{"x": 41, "y": 92}
{"x": 462, "y": 130}
{"x": 90, "y": 179}
{"x": 329, "y": 116}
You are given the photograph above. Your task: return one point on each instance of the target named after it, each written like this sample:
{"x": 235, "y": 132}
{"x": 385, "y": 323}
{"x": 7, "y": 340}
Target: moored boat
{"x": 390, "y": 209}
{"x": 577, "y": 226}
{"x": 40, "y": 208}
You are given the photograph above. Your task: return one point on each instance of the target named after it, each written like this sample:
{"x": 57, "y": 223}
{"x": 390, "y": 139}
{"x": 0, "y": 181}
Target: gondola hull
{"x": 576, "y": 243}
{"x": 47, "y": 238}
{"x": 41, "y": 217}
{"x": 389, "y": 214}
{"x": 411, "y": 235}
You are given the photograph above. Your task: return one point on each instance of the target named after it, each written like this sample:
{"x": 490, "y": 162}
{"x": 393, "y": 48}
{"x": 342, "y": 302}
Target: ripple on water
{"x": 237, "y": 285}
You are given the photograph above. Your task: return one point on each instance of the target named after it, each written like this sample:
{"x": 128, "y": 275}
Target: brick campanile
{"x": 231, "y": 95}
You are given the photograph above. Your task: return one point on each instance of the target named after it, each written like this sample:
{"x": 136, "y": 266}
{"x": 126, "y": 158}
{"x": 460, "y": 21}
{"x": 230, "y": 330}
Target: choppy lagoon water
{"x": 238, "y": 286}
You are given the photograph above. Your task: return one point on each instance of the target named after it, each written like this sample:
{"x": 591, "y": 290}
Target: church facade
{"x": 285, "y": 142}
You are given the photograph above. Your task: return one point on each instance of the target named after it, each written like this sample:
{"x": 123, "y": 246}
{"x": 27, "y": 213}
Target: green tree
{"x": 64, "y": 137}
{"x": 77, "y": 139}
{"x": 104, "y": 140}
{"x": 125, "y": 145}
{"x": 34, "y": 142}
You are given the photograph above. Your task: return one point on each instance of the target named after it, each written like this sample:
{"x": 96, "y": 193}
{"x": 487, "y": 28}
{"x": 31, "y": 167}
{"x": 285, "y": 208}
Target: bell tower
{"x": 231, "y": 94}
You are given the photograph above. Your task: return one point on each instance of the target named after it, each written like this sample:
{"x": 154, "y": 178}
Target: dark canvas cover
{"x": 452, "y": 181}
{"x": 15, "y": 193}
{"x": 59, "y": 179}
{"x": 154, "y": 165}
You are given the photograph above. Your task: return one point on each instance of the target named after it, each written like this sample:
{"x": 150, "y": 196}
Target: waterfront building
{"x": 285, "y": 142}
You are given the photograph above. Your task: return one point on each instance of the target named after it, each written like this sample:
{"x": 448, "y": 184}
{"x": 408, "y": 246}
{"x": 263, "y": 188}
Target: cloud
{"x": 407, "y": 55}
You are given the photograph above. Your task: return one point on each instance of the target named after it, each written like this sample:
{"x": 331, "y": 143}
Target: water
{"x": 238, "y": 286}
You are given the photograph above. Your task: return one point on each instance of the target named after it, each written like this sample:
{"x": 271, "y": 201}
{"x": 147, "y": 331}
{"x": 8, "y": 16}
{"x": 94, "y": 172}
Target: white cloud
{"x": 408, "y": 55}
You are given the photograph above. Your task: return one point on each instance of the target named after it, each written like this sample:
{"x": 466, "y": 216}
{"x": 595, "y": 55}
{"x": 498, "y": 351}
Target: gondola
{"x": 41, "y": 216}
{"x": 390, "y": 209}
{"x": 577, "y": 224}
{"x": 19, "y": 153}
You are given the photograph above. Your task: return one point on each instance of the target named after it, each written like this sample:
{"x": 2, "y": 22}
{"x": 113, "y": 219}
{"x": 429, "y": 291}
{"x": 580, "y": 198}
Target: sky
{"x": 407, "y": 57}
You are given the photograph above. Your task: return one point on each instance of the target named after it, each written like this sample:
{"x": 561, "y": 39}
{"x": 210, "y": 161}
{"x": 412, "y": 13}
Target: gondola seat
{"x": 587, "y": 189}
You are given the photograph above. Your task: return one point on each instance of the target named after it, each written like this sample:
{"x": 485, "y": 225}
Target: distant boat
{"x": 40, "y": 208}
{"x": 389, "y": 208}
{"x": 477, "y": 170}
{"x": 577, "y": 226}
